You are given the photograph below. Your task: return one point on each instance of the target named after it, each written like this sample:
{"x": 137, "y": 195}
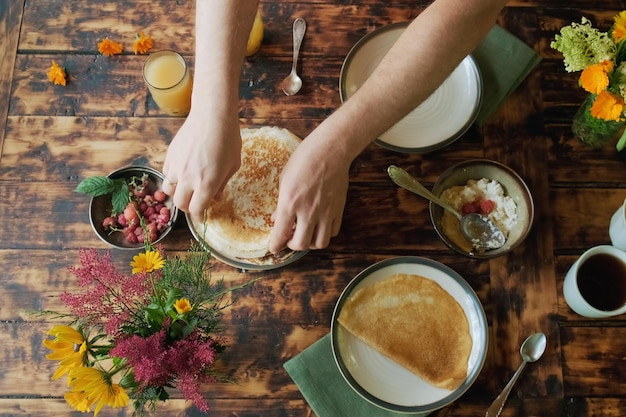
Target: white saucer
{"x": 438, "y": 121}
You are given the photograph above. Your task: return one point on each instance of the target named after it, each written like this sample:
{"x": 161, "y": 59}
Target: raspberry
{"x": 160, "y": 196}
{"x": 109, "y": 222}
{"x": 130, "y": 212}
{"x": 468, "y": 208}
{"x": 487, "y": 207}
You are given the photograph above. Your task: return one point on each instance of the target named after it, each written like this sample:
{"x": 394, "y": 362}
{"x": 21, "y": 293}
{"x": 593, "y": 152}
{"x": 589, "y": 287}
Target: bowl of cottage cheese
{"x": 491, "y": 189}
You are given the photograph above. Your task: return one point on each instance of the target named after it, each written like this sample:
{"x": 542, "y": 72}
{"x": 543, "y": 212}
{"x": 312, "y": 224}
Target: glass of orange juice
{"x": 169, "y": 81}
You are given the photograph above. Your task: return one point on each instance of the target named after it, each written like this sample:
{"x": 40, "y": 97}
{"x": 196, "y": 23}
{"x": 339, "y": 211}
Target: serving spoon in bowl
{"x": 478, "y": 229}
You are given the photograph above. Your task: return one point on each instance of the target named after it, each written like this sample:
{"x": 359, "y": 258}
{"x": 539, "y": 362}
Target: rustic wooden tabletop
{"x": 51, "y": 137}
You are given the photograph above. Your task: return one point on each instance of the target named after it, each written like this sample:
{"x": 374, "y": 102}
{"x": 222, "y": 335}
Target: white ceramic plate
{"x": 259, "y": 264}
{"x": 438, "y": 121}
{"x": 380, "y": 380}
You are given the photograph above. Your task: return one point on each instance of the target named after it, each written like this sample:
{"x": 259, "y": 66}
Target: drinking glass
{"x": 169, "y": 81}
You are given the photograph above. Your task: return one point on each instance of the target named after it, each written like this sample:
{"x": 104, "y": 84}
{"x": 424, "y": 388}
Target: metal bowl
{"x": 513, "y": 186}
{"x": 100, "y": 207}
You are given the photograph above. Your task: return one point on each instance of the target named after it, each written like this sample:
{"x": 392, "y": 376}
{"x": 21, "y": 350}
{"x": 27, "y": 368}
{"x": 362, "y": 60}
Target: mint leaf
{"x": 95, "y": 186}
{"x": 120, "y": 198}
{"x": 99, "y": 185}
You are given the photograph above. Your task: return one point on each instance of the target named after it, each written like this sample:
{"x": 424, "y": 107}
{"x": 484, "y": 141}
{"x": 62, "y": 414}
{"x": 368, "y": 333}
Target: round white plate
{"x": 264, "y": 264}
{"x": 438, "y": 121}
{"x": 380, "y": 380}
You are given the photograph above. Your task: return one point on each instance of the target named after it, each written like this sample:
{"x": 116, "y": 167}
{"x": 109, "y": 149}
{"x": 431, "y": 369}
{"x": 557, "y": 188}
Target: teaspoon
{"x": 531, "y": 350}
{"x": 478, "y": 229}
{"x": 293, "y": 83}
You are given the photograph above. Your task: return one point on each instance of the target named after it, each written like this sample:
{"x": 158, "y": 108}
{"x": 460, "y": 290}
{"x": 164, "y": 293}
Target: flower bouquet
{"x": 601, "y": 56}
{"x": 134, "y": 336}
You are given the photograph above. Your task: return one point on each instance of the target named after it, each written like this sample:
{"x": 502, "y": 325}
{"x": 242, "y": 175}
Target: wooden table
{"x": 52, "y": 137}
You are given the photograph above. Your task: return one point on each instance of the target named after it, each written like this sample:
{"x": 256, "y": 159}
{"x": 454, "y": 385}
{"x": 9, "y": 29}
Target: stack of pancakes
{"x": 238, "y": 225}
{"x": 416, "y": 323}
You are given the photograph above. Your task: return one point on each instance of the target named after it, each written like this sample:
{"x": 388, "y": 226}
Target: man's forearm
{"x": 422, "y": 58}
{"x": 222, "y": 30}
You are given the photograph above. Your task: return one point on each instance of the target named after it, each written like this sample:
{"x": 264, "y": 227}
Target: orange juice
{"x": 169, "y": 81}
{"x": 256, "y": 35}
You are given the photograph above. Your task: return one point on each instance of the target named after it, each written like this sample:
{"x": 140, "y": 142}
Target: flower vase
{"x": 592, "y": 131}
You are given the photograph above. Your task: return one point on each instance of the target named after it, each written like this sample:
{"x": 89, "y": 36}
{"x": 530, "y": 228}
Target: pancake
{"x": 238, "y": 225}
{"x": 416, "y": 323}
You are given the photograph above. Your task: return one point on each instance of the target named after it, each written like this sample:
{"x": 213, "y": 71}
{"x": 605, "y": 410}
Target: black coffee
{"x": 602, "y": 281}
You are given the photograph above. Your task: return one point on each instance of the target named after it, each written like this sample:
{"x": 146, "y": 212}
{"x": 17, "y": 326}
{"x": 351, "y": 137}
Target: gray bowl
{"x": 101, "y": 206}
{"x": 513, "y": 186}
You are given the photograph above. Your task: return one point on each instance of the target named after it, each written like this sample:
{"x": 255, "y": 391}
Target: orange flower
{"x": 607, "y": 106}
{"x": 56, "y": 74}
{"x": 142, "y": 44}
{"x": 595, "y": 77}
{"x": 109, "y": 48}
{"x": 619, "y": 28}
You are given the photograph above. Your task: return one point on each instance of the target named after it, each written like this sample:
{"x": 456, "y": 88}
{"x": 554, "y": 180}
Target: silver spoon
{"x": 478, "y": 229}
{"x": 293, "y": 83}
{"x": 531, "y": 350}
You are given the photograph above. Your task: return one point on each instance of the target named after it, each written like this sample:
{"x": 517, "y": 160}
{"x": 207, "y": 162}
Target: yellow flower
{"x": 68, "y": 347}
{"x": 108, "y": 47}
{"x": 57, "y": 75}
{"x": 619, "y": 28}
{"x": 595, "y": 77}
{"x": 79, "y": 401}
{"x": 183, "y": 306}
{"x": 147, "y": 262}
{"x": 142, "y": 44}
{"x": 94, "y": 385}
{"x": 607, "y": 106}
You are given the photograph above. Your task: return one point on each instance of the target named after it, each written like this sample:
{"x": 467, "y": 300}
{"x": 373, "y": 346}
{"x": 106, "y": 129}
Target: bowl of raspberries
{"x": 489, "y": 188}
{"x": 128, "y": 207}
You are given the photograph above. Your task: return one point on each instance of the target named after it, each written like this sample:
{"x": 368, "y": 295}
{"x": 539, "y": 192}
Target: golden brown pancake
{"x": 416, "y": 323}
{"x": 239, "y": 224}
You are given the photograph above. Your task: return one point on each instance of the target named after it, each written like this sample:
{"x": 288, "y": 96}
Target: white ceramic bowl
{"x": 383, "y": 382}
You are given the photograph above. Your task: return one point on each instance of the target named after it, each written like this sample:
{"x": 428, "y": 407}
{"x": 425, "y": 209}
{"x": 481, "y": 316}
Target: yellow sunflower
{"x": 147, "y": 262}
{"x": 183, "y": 305}
{"x": 69, "y": 347}
{"x": 79, "y": 401}
{"x": 619, "y": 28}
{"x": 95, "y": 385}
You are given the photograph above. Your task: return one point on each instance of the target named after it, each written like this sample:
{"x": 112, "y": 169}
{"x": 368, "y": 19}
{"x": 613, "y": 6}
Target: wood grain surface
{"x": 51, "y": 137}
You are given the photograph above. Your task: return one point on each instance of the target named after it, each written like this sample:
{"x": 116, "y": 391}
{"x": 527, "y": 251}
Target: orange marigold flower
{"x": 108, "y": 47}
{"x": 619, "y": 28}
{"x": 594, "y": 78}
{"x": 57, "y": 75}
{"x": 607, "y": 106}
{"x": 142, "y": 44}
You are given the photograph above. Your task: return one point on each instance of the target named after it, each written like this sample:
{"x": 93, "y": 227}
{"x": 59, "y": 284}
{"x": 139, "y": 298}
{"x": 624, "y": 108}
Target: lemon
{"x": 256, "y": 35}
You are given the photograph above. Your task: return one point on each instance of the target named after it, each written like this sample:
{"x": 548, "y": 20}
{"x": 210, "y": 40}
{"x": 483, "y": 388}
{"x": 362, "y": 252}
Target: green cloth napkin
{"x": 504, "y": 62}
{"x": 317, "y": 376}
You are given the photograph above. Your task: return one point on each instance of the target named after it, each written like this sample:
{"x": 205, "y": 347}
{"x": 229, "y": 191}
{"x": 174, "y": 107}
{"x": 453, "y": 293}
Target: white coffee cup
{"x": 595, "y": 285}
{"x": 617, "y": 228}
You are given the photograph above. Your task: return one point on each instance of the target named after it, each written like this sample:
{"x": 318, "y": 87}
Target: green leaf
{"x": 99, "y": 185}
{"x": 120, "y": 198}
{"x": 95, "y": 186}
